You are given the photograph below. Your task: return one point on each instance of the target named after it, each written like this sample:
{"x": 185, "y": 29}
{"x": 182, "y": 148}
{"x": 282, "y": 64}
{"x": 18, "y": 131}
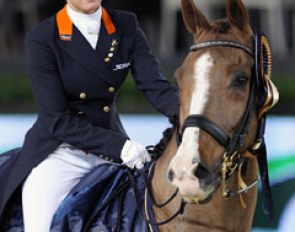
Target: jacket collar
{"x": 73, "y": 43}
{"x": 65, "y": 24}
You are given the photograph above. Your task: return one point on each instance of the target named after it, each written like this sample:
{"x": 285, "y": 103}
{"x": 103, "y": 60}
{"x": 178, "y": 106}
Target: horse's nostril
{"x": 202, "y": 172}
{"x": 170, "y": 175}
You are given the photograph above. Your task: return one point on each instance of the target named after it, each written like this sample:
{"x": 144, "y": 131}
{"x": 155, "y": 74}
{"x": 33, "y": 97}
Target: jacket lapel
{"x": 72, "y": 41}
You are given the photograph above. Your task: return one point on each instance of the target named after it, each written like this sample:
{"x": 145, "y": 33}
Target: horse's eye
{"x": 240, "y": 81}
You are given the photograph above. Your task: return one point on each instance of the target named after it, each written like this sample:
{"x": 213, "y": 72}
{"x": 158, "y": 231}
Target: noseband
{"x": 232, "y": 158}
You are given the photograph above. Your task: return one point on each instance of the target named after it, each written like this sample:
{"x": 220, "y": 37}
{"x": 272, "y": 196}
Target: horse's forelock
{"x": 221, "y": 26}
{"x": 222, "y": 29}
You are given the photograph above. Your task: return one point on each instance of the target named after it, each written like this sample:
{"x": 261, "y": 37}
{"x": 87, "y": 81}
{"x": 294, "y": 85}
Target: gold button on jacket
{"x": 82, "y": 96}
{"x": 111, "y": 89}
{"x": 106, "y": 109}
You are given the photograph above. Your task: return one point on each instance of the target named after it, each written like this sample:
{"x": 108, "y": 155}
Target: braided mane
{"x": 157, "y": 150}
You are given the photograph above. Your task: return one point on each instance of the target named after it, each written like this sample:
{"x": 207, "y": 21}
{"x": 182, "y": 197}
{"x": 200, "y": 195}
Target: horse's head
{"x": 217, "y": 100}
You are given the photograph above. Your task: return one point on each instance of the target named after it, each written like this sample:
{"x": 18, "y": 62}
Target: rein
{"x": 155, "y": 152}
{"x": 149, "y": 193}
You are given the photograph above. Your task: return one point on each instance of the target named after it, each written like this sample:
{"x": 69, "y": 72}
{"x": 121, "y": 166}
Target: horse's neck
{"x": 162, "y": 188}
{"x": 218, "y": 215}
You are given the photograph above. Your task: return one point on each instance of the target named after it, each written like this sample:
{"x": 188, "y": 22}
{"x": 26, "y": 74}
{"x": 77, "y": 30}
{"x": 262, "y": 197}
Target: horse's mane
{"x": 157, "y": 150}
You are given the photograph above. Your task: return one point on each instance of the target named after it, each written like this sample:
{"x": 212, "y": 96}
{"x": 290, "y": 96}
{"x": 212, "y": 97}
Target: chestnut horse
{"x": 211, "y": 167}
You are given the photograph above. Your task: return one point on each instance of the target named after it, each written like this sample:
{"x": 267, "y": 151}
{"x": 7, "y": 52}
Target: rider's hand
{"x": 134, "y": 154}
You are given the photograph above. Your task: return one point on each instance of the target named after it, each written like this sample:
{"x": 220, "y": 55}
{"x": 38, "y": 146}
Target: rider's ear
{"x": 194, "y": 20}
{"x": 237, "y": 14}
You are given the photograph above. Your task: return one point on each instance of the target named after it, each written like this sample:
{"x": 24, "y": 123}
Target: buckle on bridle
{"x": 230, "y": 164}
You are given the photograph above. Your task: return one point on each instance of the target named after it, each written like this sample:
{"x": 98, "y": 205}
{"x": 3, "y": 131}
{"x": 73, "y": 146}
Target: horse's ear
{"x": 193, "y": 18}
{"x": 237, "y": 14}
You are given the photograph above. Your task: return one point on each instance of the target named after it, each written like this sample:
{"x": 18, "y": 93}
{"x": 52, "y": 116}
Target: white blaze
{"x": 188, "y": 149}
{"x": 201, "y": 88}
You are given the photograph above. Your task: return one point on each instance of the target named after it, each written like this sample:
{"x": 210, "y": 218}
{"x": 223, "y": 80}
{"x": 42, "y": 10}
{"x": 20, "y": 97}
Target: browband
{"x": 221, "y": 43}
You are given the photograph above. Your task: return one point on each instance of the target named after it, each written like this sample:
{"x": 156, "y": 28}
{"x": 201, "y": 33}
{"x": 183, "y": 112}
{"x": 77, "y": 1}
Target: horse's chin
{"x": 203, "y": 198}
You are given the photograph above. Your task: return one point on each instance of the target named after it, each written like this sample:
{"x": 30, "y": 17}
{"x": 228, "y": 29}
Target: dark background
{"x": 17, "y": 17}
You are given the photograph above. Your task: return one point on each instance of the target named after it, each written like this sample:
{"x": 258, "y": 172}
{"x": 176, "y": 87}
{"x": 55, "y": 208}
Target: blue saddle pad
{"x": 107, "y": 198}
{"x": 93, "y": 198}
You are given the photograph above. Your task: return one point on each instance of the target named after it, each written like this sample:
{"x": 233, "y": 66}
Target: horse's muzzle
{"x": 196, "y": 185}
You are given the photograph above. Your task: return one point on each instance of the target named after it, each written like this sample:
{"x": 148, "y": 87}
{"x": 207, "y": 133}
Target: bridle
{"x": 266, "y": 97}
{"x": 232, "y": 158}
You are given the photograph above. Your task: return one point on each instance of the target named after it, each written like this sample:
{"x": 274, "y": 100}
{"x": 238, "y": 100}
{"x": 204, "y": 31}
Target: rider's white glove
{"x": 134, "y": 154}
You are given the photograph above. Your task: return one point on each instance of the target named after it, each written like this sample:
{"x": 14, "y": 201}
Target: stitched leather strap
{"x": 207, "y": 125}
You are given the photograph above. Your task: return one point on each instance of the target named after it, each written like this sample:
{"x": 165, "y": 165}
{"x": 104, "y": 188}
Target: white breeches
{"x": 49, "y": 183}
